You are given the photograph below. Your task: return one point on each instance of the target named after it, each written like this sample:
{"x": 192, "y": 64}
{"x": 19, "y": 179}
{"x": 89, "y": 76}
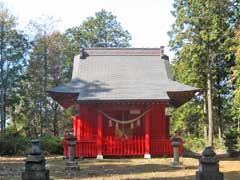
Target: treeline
{"x": 39, "y": 58}
{"x": 205, "y": 39}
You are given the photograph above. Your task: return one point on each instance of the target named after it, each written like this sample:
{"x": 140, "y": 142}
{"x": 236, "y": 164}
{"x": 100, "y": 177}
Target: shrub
{"x": 194, "y": 144}
{"x": 14, "y": 143}
{"x": 52, "y": 144}
{"x": 218, "y": 144}
{"x": 231, "y": 141}
{"x": 18, "y": 144}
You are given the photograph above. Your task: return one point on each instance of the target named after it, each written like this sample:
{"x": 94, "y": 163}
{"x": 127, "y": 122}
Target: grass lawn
{"x": 121, "y": 169}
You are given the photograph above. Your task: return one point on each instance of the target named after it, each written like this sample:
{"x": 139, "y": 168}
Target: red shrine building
{"x": 121, "y": 95}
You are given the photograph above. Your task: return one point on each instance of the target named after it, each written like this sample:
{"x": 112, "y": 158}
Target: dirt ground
{"x": 121, "y": 169}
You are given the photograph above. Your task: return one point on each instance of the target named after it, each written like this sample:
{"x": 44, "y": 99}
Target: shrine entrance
{"x": 122, "y": 130}
{"x": 123, "y": 124}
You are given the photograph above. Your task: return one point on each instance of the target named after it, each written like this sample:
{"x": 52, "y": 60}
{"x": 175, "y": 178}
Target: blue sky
{"x": 148, "y": 21}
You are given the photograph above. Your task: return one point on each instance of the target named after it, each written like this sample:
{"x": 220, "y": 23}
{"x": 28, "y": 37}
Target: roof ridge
{"x": 120, "y": 48}
{"x": 107, "y": 51}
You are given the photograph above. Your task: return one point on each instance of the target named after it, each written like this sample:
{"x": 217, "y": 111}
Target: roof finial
{"x": 82, "y": 54}
{"x": 162, "y": 55}
{"x": 161, "y": 50}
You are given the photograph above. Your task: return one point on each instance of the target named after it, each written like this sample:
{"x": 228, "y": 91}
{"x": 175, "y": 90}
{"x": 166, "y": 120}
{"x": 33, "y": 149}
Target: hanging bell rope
{"x": 132, "y": 125}
{"x": 124, "y": 122}
{"x": 138, "y": 122}
{"x": 110, "y": 123}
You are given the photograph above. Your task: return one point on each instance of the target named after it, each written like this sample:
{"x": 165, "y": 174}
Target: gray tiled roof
{"x": 122, "y": 74}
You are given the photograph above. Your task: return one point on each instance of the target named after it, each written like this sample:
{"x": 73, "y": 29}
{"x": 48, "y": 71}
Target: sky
{"x": 148, "y": 21}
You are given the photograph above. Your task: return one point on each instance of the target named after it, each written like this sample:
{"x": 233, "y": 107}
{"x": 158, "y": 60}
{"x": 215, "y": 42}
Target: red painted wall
{"x": 89, "y": 145}
{"x": 85, "y": 125}
{"x": 158, "y": 122}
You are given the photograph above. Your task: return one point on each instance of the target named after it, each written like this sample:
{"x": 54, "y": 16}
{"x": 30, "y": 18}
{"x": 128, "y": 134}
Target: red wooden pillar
{"x": 74, "y": 125}
{"x": 78, "y": 127}
{"x": 99, "y": 136}
{"x": 147, "y": 136}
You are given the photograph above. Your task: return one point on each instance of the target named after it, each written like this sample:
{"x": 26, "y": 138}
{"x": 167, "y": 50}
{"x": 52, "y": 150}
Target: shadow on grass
{"x": 106, "y": 170}
{"x": 189, "y": 153}
{"x": 232, "y": 175}
{"x": 226, "y": 157}
{"x": 92, "y": 169}
{"x": 164, "y": 178}
{"x": 221, "y": 157}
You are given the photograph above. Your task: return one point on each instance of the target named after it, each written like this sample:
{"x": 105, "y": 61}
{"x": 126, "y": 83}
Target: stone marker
{"x": 176, "y": 142}
{"x": 208, "y": 166}
{"x": 35, "y": 164}
{"x": 71, "y": 165}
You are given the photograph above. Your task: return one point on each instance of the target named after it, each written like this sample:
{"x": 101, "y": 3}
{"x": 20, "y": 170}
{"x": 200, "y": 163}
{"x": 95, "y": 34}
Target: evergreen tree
{"x": 56, "y": 74}
{"x": 39, "y": 59}
{"x": 101, "y": 30}
{"x": 13, "y": 48}
{"x": 235, "y": 79}
{"x": 202, "y": 31}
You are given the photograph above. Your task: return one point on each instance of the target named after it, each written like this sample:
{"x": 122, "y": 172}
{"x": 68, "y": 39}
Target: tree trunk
{"x": 205, "y": 129}
{"x": 14, "y": 135}
{"x": 55, "y": 120}
{"x": 4, "y": 107}
{"x": 220, "y": 133}
{"x": 40, "y": 118}
{"x": 209, "y": 98}
{"x": 3, "y": 111}
{"x": 219, "y": 103}
{"x": 46, "y": 123}
{"x": 2, "y": 85}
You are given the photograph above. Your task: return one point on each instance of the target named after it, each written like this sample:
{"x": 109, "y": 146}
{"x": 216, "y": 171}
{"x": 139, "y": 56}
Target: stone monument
{"x": 35, "y": 164}
{"x": 175, "y": 143}
{"x": 71, "y": 165}
{"x": 208, "y": 166}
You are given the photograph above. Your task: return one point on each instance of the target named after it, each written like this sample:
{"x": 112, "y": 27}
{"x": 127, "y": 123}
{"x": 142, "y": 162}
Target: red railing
{"x": 85, "y": 148}
{"x": 113, "y": 146}
{"x": 163, "y": 147}
{"x": 123, "y": 147}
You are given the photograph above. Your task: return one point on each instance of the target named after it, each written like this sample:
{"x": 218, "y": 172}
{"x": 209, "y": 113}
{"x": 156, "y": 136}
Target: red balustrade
{"x": 86, "y": 149}
{"x": 163, "y": 147}
{"x": 113, "y": 146}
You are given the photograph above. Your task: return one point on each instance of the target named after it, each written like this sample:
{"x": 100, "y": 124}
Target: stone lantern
{"x": 176, "y": 140}
{"x": 208, "y": 166}
{"x": 35, "y": 164}
{"x": 71, "y": 164}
